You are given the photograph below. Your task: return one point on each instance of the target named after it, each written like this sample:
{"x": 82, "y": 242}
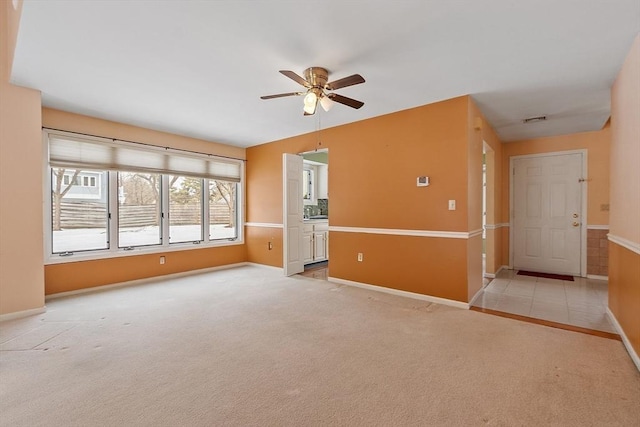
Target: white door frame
{"x": 583, "y": 216}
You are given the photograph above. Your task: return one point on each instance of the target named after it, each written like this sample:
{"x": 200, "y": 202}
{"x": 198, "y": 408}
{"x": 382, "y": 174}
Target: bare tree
{"x": 226, "y": 191}
{"x": 154, "y": 182}
{"x": 58, "y": 192}
{"x": 139, "y": 189}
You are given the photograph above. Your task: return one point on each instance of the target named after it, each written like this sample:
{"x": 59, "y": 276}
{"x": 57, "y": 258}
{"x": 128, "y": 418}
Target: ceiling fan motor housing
{"x": 316, "y": 76}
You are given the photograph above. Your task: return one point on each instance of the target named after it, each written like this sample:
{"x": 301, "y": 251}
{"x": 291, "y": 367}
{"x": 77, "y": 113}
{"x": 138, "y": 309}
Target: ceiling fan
{"x": 315, "y": 80}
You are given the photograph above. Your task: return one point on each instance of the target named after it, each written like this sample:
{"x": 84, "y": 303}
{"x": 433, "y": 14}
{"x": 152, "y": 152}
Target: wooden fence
{"x": 92, "y": 215}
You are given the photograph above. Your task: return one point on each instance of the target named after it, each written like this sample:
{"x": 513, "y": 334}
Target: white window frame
{"x": 311, "y": 186}
{"x": 114, "y": 251}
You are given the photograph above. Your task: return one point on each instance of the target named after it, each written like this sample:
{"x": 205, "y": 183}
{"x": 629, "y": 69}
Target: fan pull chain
{"x": 319, "y": 129}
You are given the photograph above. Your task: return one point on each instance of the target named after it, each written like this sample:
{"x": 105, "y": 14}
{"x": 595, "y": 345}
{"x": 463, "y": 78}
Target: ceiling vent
{"x": 535, "y": 119}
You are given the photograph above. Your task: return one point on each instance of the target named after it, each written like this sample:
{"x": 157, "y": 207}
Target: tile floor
{"x": 580, "y": 303}
{"x": 317, "y": 271}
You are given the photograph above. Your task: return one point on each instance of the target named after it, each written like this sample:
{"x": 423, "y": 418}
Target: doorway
{"x": 306, "y": 219}
{"x": 316, "y": 218}
{"x": 490, "y": 228}
{"x": 548, "y": 213}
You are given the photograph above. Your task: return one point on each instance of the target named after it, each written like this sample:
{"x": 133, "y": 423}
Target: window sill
{"x": 121, "y": 253}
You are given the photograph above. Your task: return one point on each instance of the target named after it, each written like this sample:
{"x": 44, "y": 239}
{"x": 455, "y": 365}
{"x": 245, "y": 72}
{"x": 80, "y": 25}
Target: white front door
{"x": 292, "y": 214}
{"x": 546, "y": 213}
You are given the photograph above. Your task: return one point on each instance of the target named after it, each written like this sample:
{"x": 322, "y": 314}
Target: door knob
{"x": 575, "y": 215}
{"x": 576, "y": 224}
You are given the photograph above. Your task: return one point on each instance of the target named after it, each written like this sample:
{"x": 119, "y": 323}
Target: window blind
{"x": 79, "y": 153}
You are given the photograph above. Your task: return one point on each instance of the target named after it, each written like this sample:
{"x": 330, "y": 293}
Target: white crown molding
{"x": 402, "y": 232}
{"x": 263, "y": 224}
{"x": 632, "y": 246}
{"x": 598, "y": 227}
{"x": 627, "y": 344}
{"x": 398, "y": 292}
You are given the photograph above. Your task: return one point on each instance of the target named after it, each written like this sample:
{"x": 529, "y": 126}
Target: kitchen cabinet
{"x": 316, "y": 241}
{"x": 307, "y": 246}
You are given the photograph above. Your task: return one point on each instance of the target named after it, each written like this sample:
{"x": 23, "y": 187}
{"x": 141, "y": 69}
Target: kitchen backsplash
{"x": 322, "y": 208}
{"x": 323, "y": 205}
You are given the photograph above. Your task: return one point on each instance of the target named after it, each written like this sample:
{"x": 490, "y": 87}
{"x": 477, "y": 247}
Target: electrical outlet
{"x": 162, "y": 260}
{"x": 360, "y": 257}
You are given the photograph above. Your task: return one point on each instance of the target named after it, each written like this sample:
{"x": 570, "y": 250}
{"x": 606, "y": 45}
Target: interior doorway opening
{"x": 490, "y": 228}
{"x": 312, "y": 248}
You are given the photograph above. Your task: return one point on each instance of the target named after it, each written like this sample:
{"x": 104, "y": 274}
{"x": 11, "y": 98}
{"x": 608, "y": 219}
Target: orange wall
{"x": 258, "y": 251}
{"x": 77, "y": 275}
{"x": 625, "y": 149}
{"x": 9, "y": 24}
{"x": 624, "y": 264}
{"x": 428, "y": 266}
{"x": 87, "y": 274}
{"x": 373, "y": 165}
{"x": 21, "y": 258}
{"x": 624, "y": 291}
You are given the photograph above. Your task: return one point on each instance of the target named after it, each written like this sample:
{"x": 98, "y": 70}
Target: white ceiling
{"x": 198, "y": 68}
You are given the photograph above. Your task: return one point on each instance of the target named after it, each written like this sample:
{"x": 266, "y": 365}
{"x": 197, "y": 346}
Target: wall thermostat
{"x": 423, "y": 181}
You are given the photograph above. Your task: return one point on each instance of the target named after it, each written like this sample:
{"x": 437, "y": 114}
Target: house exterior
{"x": 443, "y": 140}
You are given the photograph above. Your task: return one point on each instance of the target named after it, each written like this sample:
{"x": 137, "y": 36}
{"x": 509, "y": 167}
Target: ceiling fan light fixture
{"x": 310, "y": 102}
{"x": 326, "y": 103}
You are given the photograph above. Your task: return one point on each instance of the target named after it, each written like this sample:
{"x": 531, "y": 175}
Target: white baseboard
{"x": 627, "y": 344}
{"x": 398, "y": 292}
{"x": 143, "y": 281}
{"x": 596, "y": 277}
{"x": 271, "y": 267}
{"x": 493, "y": 275}
{"x": 23, "y": 313}
{"x": 476, "y": 296}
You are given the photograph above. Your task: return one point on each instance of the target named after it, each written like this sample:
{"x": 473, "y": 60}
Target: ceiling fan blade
{"x": 296, "y": 78}
{"x": 355, "y": 79}
{"x": 353, "y": 103}
{"x": 280, "y": 95}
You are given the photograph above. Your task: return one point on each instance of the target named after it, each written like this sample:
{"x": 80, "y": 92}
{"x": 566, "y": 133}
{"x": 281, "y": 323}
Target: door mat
{"x": 546, "y": 275}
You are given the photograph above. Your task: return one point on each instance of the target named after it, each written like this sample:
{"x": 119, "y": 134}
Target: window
{"x": 308, "y": 184}
{"x": 79, "y": 220}
{"x": 139, "y": 209}
{"x": 109, "y": 198}
{"x": 222, "y": 210}
{"x": 185, "y": 209}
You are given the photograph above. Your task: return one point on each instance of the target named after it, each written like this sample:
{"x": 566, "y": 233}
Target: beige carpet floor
{"x": 248, "y": 347}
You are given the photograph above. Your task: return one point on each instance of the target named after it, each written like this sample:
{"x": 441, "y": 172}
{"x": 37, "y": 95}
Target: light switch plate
{"x": 452, "y": 205}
